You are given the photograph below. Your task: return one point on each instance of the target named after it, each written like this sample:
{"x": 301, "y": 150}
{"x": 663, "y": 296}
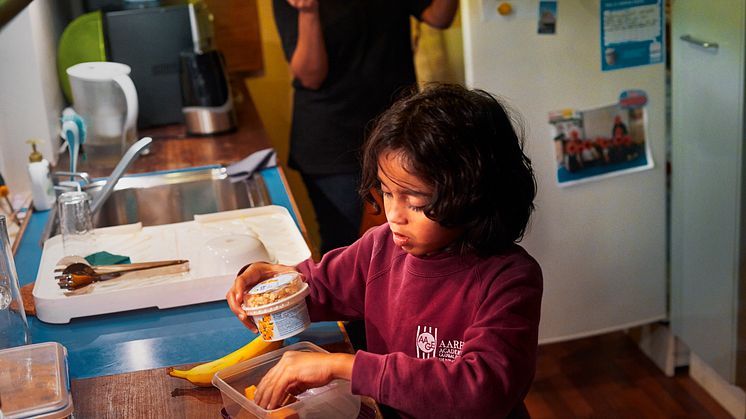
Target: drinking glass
{"x": 14, "y": 329}
{"x": 76, "y": 223}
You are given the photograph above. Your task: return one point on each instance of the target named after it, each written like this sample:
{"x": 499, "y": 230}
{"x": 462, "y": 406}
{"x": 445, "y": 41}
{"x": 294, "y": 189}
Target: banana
{"x": 201, "y": 375}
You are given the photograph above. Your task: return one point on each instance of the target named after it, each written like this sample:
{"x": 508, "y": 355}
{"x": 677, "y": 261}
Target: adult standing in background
{"x": 349, "y": 59}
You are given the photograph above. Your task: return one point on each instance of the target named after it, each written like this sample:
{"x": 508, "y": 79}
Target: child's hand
{"x": 298, "y": 371}
{"x": 247, "y": 278}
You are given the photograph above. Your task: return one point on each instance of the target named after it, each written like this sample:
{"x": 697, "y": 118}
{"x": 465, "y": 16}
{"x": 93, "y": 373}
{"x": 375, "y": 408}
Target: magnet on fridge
{"x": 547, "y": 17}
{"x": 504, "y": 8}
{"x": 633, "y": 99}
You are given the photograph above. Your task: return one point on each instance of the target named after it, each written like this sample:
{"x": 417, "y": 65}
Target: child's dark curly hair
{"x": 464, "y": 145}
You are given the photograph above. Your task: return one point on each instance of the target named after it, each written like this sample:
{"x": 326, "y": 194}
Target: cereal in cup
{"x": 278, "y": 306}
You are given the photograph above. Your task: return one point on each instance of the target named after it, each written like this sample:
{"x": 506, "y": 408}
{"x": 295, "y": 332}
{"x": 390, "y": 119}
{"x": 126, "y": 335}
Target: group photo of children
{"x": 599, "y": 143}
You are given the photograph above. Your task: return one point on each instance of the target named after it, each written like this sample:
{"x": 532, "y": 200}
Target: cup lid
{"x": 276, "y": 283}
{"x": 282, "y": 291}
{"x": 98, "y": 70}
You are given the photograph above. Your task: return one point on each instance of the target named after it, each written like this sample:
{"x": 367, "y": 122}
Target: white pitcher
{"x": 105, "y": 96}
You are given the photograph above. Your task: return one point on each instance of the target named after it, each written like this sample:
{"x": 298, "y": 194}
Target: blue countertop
{"x": 151, "y": 338}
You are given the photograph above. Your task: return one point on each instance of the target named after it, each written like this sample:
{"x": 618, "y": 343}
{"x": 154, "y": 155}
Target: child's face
{"x": 404, "y": 197}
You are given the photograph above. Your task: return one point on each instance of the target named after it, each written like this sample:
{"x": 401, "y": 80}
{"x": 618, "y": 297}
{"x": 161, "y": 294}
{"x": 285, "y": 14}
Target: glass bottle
{"x": 14, "y": 329}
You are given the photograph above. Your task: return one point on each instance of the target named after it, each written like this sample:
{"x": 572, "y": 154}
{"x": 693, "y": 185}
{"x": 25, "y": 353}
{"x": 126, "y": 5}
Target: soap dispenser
{"x": 42, "y": 188}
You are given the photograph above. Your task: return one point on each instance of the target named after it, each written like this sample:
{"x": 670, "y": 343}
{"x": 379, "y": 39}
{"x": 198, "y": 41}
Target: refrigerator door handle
{"x": 704, "y": 44}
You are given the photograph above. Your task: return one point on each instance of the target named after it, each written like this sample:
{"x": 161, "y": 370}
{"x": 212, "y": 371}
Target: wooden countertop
{"x": 155, "y": 394}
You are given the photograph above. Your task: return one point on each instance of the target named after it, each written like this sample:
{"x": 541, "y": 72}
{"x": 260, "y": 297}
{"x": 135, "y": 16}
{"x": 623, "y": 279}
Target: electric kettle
{"x": 105, "y": 96}
{"x": 205, "y": 93}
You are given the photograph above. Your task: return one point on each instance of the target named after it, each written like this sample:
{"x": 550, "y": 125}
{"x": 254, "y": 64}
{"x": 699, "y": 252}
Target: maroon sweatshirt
{"x": 448, "y": 336}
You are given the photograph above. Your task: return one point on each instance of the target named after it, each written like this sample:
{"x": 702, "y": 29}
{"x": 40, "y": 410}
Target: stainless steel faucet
{"x": 98, "y": 201}
{"x": 130, "y": 156}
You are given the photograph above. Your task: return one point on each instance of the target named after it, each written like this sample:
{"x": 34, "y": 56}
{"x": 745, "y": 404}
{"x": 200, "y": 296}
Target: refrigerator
{"x": 601, "y": 243}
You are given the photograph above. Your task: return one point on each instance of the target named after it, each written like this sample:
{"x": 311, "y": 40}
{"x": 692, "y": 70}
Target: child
{"x": 451, "y": 304}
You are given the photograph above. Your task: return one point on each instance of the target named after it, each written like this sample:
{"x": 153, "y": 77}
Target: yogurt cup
{"x": 278, "y": 306}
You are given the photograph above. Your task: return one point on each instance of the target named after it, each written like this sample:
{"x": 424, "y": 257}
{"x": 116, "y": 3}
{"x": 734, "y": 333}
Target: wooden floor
{"x": 609, "y": 377}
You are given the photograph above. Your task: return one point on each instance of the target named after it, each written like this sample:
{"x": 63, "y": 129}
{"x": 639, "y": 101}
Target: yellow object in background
{"x": 438, "y": 53}
{"x": 4, "y": 192}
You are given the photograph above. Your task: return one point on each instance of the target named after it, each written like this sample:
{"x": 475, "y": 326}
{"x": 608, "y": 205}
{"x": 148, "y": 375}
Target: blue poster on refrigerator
{"x": 631, "y": 33}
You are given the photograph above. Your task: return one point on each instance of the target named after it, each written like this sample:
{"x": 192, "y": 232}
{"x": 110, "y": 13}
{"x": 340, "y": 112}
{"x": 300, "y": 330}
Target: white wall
{"x": 30, "y": 96}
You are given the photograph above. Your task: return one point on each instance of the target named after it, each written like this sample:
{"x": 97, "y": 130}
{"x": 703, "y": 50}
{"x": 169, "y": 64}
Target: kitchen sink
{"x": 154, "y": 199}
{"x": 171, "y": 197}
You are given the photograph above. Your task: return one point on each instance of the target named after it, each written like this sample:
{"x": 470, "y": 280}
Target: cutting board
{"x": 207, "y": 280}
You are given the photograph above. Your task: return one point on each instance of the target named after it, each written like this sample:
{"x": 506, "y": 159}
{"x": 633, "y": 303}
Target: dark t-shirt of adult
{"x": 370, "y": 60}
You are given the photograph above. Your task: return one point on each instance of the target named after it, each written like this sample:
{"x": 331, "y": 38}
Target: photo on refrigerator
{"x": 599, "y": 143}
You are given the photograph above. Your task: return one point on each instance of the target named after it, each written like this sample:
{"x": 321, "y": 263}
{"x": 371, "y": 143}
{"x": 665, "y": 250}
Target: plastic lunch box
{"x": 333, "y": 401}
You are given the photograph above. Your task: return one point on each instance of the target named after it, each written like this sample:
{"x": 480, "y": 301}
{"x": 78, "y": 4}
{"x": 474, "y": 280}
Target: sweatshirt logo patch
{"x": 427, "y": 341}
{"x": 428, "y": 345}
{"x": 449, "y": 350}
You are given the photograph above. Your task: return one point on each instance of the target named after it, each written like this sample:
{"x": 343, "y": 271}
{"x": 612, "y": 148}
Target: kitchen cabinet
{"x": 237, "y": 34}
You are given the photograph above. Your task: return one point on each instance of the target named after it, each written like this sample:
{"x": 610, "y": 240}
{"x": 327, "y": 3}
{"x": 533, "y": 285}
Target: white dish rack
{"x": 204, "y": 282}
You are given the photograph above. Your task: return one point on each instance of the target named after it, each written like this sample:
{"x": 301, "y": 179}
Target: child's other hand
{"x": 298, "y": 371}
{"x": 246, "y": 279}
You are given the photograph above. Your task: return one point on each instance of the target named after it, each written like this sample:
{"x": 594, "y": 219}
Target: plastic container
{"x": 278, "y": 306}
{"x": 332, "y": 401}
{"x": 34, "y": 382}
{"x": 42, "y": 189}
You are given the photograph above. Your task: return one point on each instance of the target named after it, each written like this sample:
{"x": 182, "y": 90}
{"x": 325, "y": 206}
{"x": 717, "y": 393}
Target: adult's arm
{"x": 440, "y": 13}
{"x": 309, "y": 63}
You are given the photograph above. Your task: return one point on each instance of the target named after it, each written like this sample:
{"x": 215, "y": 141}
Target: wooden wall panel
{"x": 236, "y": 24}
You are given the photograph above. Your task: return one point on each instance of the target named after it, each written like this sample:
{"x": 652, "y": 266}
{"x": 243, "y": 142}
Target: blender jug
{"x": 105, "y": 96}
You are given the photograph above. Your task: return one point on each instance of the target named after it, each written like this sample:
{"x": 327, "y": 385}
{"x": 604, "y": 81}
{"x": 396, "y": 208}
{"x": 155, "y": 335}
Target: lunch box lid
{"x": 34, "y": 381}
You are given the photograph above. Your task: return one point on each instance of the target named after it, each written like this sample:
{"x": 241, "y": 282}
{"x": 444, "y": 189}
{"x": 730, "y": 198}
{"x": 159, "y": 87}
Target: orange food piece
{"x": 249, "y": 392}
{"x": 283, "y": 413}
